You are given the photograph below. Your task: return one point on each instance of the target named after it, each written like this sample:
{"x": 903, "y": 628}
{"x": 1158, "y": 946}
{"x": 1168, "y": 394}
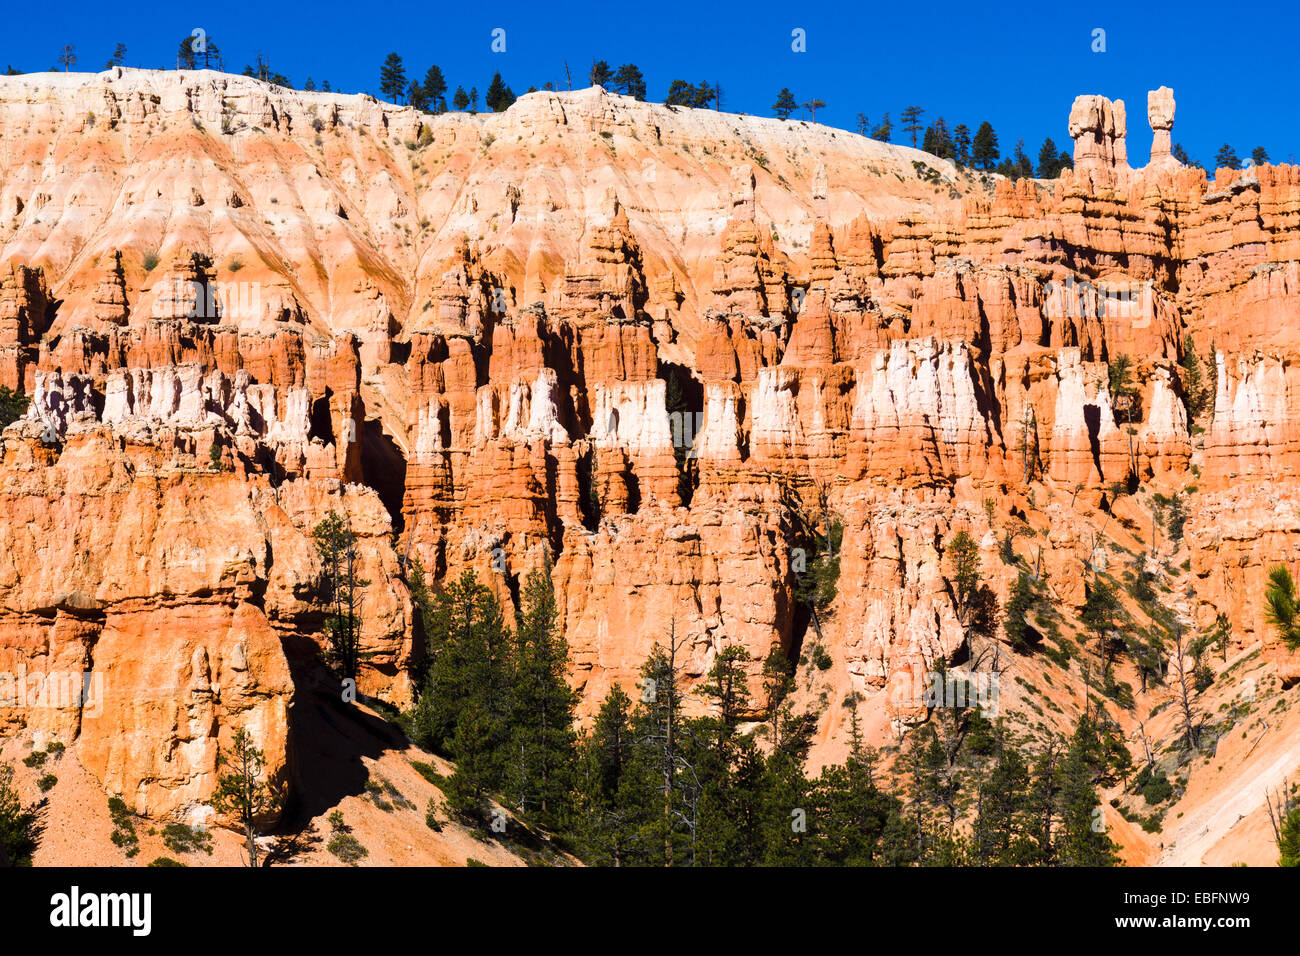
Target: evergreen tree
{"x": 630, "y": 81}
{"x": 13, "y": 406}
{"x": 392, "y": 78}
{"x": 336, "y": 546}
{"x": 884, "y": 130}
{"x": 1003, "y": 820}
{"x": 20, "y": 827}
{"x": 1281, "y": 610}
{"x": 1020, "y": 633}
{"x": 785, "y": 104}
{"x": 185, "y": 58}
{"x": 961, "y": 143}
{"x": 468, "y": 649}
{"x": 499, "y": 96}
{"x": 415, "y": 97}
{"x": 671, "y": 826}
{"x": 1082, "y": 839}
{"x": 1288, "y": 839}
{"x": 1196, "y": 392}
{"x": 984, "y": 148}
{"x": 461, "y": 100}
{"x": 1226, "y": 158}
{"x": 1098, "y": 616}
{"x": 912, "y": 121}
{"x": 601, "y": 74}
{"x": 118, "y": 58}
{"x": 542, "y": 739}
{"x": 1049, "y": 163}
{"x": 610, "y": 811}
{"x": 938, "y": 141}
{"x": 680, "y": 93}
{"x": 435, "y": 89}
{"x": 1024, "y": 169}
{"x": 243, "y": 791}
{"x": 1180, "y": 154}
{"x": 1260, "y": 155}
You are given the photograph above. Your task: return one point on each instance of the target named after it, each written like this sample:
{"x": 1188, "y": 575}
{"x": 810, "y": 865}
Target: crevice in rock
{"x": 684, "y": 403}
{"x": 384, "y": 467}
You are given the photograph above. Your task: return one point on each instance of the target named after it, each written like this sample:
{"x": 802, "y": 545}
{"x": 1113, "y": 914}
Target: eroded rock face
{"x": 642, "y": 378}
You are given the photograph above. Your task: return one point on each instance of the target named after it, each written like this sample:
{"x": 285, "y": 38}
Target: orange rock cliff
{"x": 466, "y": 332}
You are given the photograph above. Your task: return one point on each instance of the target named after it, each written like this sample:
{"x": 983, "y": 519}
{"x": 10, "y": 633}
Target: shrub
{"x": 342, "y": 843}
{"x": 123, "y": 826}
{"x": 180, "y": 838}
{"x": 165, "y": 861}
{"x": 47, "y": 782}
{"x": 36, "y": 759}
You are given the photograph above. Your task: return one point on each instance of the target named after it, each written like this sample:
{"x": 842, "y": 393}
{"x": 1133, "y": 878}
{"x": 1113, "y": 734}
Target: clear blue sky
{"x": 1232, "y": 66}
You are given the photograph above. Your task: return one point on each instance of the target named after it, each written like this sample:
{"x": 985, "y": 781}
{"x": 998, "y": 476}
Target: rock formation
{"x": 646, "y": 377}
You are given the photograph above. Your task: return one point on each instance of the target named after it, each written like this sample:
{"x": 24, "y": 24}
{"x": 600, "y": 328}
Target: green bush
{"x": 180, "y": 838}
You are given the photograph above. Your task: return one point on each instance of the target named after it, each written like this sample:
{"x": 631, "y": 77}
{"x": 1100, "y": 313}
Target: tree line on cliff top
{"x": 979, "y": 150}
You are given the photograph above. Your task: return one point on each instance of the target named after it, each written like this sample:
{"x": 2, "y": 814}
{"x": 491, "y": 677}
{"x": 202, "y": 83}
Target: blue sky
{"x": 1232, "y": 67}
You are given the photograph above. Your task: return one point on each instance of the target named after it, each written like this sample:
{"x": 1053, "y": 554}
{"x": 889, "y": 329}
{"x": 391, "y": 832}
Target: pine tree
{"x": 1048, "y": 160}
{"x": 19, "y": 826}
{"x": 1196, "y": 393}
{"x": 1226, "y": 158}
{"x": 1082, "y": 839}
{"x": 468, "y": 658}
{"x": 185, "y": 59}
{"x": 1024, "y": 169}
{"x": 1259, "y": 155}
{"x": 1004, "y": 809}
{"x": 1281, "y": 610}
{"x": 243, "y": 791}
{"x": 785, "y": 104}
{"x": 336, "y": 546}
{"x": 961, "y": 143}
{"x": 392, "y": 78}
{"x": 542, "y": 739}
{"x": 680, "y": 93}
{"x": 461, "y": 100}
{"x": 601, "y": 74}
{"x": 1020, "y": 633}
{"x": 13, "y": 406}
{"x": 630, "y": 81}
{"x": 912, "y": 121}
{"x": 610, "y": 812}
{"x": 435, "y": 89}
{"x": 499, "y": 96}
{"x": 118, "y": 58}
{"x": 415, "y": 97}
{"x": 884, "y": 130}
{"x": 669, "y": 829}
{"x": 984, "y": 148}
{"x": 938, "y": 141}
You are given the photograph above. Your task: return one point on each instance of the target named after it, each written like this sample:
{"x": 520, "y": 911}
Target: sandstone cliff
{"x": 634, "y": 340}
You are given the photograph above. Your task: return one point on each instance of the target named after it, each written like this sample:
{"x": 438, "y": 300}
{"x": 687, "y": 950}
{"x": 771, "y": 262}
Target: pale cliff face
{"x": 460, "y": 330}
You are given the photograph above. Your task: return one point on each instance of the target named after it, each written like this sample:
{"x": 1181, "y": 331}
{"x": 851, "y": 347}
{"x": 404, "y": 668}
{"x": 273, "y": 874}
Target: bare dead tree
{"x": 1182, "y": 650}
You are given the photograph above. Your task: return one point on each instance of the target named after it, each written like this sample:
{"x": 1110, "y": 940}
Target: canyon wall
{"x": 632, "y": 343}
